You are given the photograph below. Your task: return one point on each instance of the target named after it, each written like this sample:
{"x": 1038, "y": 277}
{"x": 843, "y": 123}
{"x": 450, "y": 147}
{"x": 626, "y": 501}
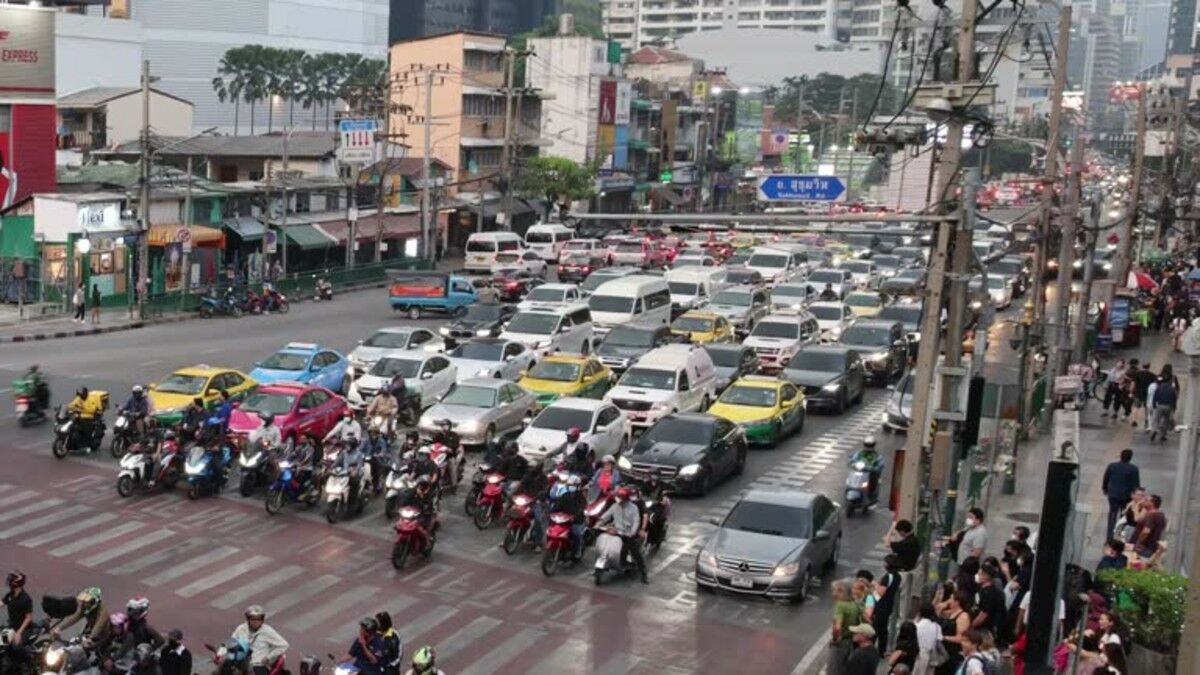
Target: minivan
{"x": 482, "y": 248}
{"x": 635, "y": 300}
{"x": 669, "y": 379}
{"x": 548, "y": 240}
{"x": 691, "y": 287}
{"x": 552, "y": 329}
{"x": 778, "y": 265}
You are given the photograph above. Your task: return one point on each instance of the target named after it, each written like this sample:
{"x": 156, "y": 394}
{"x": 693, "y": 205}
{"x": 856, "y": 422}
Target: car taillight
{"x": 586, "y": 270}
{"x": 512, "y": 284}
{"x": 562, "y": 268}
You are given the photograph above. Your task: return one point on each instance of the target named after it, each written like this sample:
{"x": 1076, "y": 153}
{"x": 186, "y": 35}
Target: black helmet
{"x": 267, "y": 419}
{"x": 198, "y": 402}
{"x": 423, "y": 481}
{"x": 16, "y": 578}
{"x": 82, "y": 392}
{"x": 511, "y": 447}
{"x": 369, "y": 624}
{"x": 412, "y": 436}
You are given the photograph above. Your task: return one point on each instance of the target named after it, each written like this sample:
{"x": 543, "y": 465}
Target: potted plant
{"x": 1151, "y": 604}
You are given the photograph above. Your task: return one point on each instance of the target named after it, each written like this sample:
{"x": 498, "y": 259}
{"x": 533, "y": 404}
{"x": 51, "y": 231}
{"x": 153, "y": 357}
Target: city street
{"x": 201, "y": 562}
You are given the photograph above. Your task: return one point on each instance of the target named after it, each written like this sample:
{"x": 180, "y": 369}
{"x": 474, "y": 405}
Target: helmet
{"x": 7, "y": 637}
{"x": 267, "y": 418}
{"x": 511, "y": 448}
{"x": 445, "y": 424}
{"x": 624, "y": 492}
{"x": 869, "y": 442}
{"x": 16, "y": 578}
{"x": 138, "y": 390}
{"x": 369, "y": 624}
{"x": 137, "y": 608}
{"x": 574, "y": 480}
{"x": 573, "y": 434}
{"x": 412, "y": 436}
{"x": 608, "y": 459}
{"x": 119, "y": 622}
{"x": 82, "y": 392}
{"x": 255, "y": 612}
{"x": 89, "y": 598}
{"x": 423, "y": 481}
{"x": 170, "y": 435}
{"x": 424, "y": 451}
{"x": 423, "y": 659}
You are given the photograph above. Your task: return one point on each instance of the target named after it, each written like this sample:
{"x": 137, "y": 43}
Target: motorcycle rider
{"x": 137, "y": 409}
{"x": 628, "y": 523}
{"x": 267, "y": 432}
{"x": 607, "y": 477}
{"x": 352, "y": 460}
{"x": 384, "y": 405}
{"x": 512, "y": 465}
{"x": 303, "y": 458}
{"x": 828, "y": 294}
{"x": 346, "y": 428}
{"x": 90, "y": 610}
{"x": 375, "y": 451}
{"x": 88, "y": 411}
{"x": 449, "y": 439}
{"x": 266, "y": 644}
{"x": 137, "y": 630}
{"x": 39, "y": 388}
{"x": 535, "y": 485}
{"x": 871, "y": 457}
{"x": 368, "y": 651}
{"x": 423, "y": 663}
{"x": 19, "y": 606}
{"x": 577, "y": 455}
{"x": 423, "y": 498}
{"x": 194, "y": 416}
{"x": 393, "y": 646}
{"x": 423, "y": 465}
{"x": 572, "y": 501}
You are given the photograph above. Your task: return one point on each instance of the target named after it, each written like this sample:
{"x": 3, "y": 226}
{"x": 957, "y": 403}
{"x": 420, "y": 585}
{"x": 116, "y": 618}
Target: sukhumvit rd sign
{"x": 26, "y": 54}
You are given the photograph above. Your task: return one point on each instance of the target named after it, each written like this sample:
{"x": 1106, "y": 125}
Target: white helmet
{"x": 7, "y": 637}
{"x": 869, "y": 442}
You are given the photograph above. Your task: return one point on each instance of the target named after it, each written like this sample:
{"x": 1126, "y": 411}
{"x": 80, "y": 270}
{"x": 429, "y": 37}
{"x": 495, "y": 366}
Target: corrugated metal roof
{"x": 97, "y": 96}
{"x": 301, "y": 144}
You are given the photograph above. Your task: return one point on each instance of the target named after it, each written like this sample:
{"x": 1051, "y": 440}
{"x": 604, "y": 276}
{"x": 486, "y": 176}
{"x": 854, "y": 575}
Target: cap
{"x": 175, "y": 634}
{"x": 863, "y": 629}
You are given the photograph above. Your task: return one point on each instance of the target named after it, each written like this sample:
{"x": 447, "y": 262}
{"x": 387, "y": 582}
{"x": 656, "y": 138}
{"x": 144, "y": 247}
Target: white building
{"x": 568, "y": 69}
{"x": 762, "y": 57}
{"x": 636, "y": 23}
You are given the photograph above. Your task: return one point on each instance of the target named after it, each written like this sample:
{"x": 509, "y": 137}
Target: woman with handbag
{"x": 932, "y": 653}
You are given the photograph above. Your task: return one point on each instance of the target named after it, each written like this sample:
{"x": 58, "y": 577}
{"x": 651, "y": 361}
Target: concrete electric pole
{"x": 142, "y": 283}
{"x": 1056, "y": 326}
{"x": 1129, "y": 228}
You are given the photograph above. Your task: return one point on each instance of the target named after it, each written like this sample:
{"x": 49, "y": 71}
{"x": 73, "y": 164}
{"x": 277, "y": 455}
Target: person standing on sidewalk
{"x": 1112, "y": 392}
{"x": 77, "y": 301}
{"x": 1166, "y": 395}
{"x": 1120, "y": 479}
{"x": 96, "y": 304}
{"x": 1150, "y": 528}
{"x": 1142, "y": 379}
{"x": 972, "y": 540}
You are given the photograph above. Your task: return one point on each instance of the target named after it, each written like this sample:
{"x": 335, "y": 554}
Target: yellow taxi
{"x": 560, "y": 375}
{"x": 703, "y": 327}
{"x": 169, "y": 397}
{"x": 767, "y": 409}
{"x": 865, "y": 304}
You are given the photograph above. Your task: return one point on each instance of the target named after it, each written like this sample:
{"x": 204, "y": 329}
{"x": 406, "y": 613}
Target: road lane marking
{"x": 180, "y": 550}
{"x": 426, "y": 622}
{"x": 31, "y": 508}
{"x": 808, "y": 663}
{"x": 260, "y": 585}
{"x": 112, "y": 553}
{"x": 193, "y": 565}
{"x": 32, "y": 525}
{"x": 691, "y": 547}
{"x": 296, "y": 596}
{"x": 19, "y": 497}
{"x": 332, "y": 607}
{"x": 568, "y": 658}
{"x": 476, "y": 630}
{"x": 506, "y": 651}
{"x": 222, "y": 576}
{"x": 69, "y": 530}
{"x": 393, "y": 607}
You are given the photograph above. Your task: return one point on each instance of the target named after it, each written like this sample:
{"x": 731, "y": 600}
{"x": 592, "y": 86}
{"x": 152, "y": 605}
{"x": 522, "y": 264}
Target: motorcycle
{"x": 233, "y": 658}
{"x": 34, "y": 640}
{"x": 858, "y": 485}
{"x": 69, "y": 430}
{"x": 593, "y": 512}
{"x": 286, "y": 488}
{"x": 399, "y": 484}
{"x": 477, "y": 482}
{"x": 255, "y": 463}
{"x": 451, "y": 463}
{"x": 409, "y": 539}
{"x": 207, "y": 472}
{"x": 342, "y": 496}
{"x": 69, "y": 658}
{"x": 559, "y": 549}
{"x": 659, "y": 511}
{"x": 489, "y": 506}
{"x": 125, "y": 433}
{"x": 138, "y": 470}
{"x": 609, "y": 558}
{"x": 211, "y": 305}
{"x": 323, "y": 289}
{"x": 31, "y": 400}
{"x": 519, "y": 527}
{"x": 274, "y": 301}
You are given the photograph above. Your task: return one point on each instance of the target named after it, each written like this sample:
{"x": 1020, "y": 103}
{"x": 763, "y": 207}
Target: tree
{"x": 824, "y": 93}
{"x": 231, "y": 80}
{"x": 557, "y": 179}
{"x": 363, "y": 88}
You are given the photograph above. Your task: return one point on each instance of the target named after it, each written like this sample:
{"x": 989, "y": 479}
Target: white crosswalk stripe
{"x": 29, "y": 508}
{"x": 179, "y": 550}
{"x": 36, "y": 523}
{"x": 18, "y": 497}
{"x": 569, "y": 657}
{"x": 121, "y": 530}
{"x": 298, "y": 595}
{"x": 68, "y": 530}
{"x": 223, "y": 576}
{"x": 195, "y": 564}
{"x": 393, "y": 606}
{"x": 256, "y": 587}
{"x": 426, "y": 622}
{"x": 476, "y": 630}
{"x": 514, "y": 646}
{"x": 329, "y": 608}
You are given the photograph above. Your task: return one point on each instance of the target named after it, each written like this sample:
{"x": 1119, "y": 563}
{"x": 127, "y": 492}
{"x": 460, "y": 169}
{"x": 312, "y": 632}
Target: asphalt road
{"x": 63, "y": 523}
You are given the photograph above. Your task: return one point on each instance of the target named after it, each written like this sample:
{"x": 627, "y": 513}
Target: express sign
{"x": 26, "y": 54}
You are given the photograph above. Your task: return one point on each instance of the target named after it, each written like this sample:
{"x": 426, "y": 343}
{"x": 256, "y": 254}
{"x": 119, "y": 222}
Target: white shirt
{"x": 1062, "y": 608}
{"x": 929, "y": 633}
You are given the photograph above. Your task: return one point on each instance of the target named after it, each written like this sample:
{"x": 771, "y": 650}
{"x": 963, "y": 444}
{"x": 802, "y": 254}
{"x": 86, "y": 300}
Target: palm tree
{"x": 292, "y": 79}
{"x": 332, "y": 75}
{"x": 309, "y": 88}
{"x": 256, "y": 84}
{"x": 363, "y": 89}
{"x": 231, "y": 80}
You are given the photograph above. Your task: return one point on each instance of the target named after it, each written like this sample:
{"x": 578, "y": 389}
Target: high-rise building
{"x": 1181, "y": 30}
{"x": 636, "y": 23}
{"x": 421, "y": 18}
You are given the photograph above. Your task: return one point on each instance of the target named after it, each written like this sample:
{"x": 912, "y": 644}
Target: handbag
{"x": 939, "y": 656}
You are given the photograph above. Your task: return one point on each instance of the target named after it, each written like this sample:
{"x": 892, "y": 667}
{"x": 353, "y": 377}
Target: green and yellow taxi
{"x": 560, "y": 375}
{"x": 767, "y": 409}
{"x": 169, "y": 397}
{"x": 703, "y": 327}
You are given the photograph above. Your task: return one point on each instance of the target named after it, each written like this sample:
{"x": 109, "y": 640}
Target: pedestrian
{"x": 1165, "y": 396}
{"x": 992, "y": 612}
{"x": 929, "y": 641}
{"x": 1138, "y": 504}
{"x": 1179, "y": 326}
{"x": 975, "y": 661}
{"x": 1142, "y": 380}
{"x": 1150, "y": 528}
{"x": 1114, "y": 660}
{"x": 276, "y": 270}
{"x": 1114, "y": 556}
{"x": 972, "y": 540}
{"x": 903, "y": 542}
{"x": 174, "y": 658}
{"x": 1112, "y": 391}
{"x": 908, "y": 648}
{"x": 1120, "y": 479}
{"x": 846, "y": 613}
{"x": 864, "y": 660}
{"x": 955, "y": 623}
{"x": 1110, "y": 629}
{"x": 96, "y": 304}
{"x": 77, "y": 300}
{"x": 887, "y": 588}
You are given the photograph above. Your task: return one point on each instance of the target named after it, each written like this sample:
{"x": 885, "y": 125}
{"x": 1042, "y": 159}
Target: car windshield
{"x": 646, "y": 378}
{"x": 769, "y": 519}
{"x": 533, "y": 323}
{"x": 826, "y": 277}
{"x": 610, "y": 303}
{"x": 759, "y": 397}
{"x": 539, "y": 238}
{"x": 629, "y": 247}
{"x": 908, "y": 315}
{"x": 478, "y": 351}
{"x": 867, "y": 335}
{"x": 390, "y": 340}
{"x": 776, "y": 329}
{"x": 629, "y": 337}
{"x": 769, "y": 261}
{"x": 285, "y": 361}
{"x": 888, "y": 261}
{"x": 694, "y": 324}
{"x": 821, "y": 362}
{"x": 683, "y": 288}
{"x": 732, "y": 298}
{"x": 182, "y": 384}
{"x": 561, "y": 418}
{"x": 473, "y": 397}
{"x": 1007, "y": 267}
{"x": 996, "y": 283}
{"x": 574, "y": 245}
{"x": 789, "y": 292}
{"x": 546, "y": 295}
{"x": 593, "y": 282}
{"x": 483, "y": 312}
{"x": 683, "y": 260}
{"x": 725, "y": 358}
{"x": 862, "y": 300}
{"x": 557, "y": 371}
{"x": 262, "y": 402}
{"x": 741, "y": 276}
{"x": 857, "y": 267}
{"x": 389, "y": 368}
{"x": 737, "y": 259}
{"x": 826, "y": 313}
{"x": 507, "y": 257}
{"x": 479, "y": 246}
{"x": 913, "y": 274}
{"x": 678, "y": 430}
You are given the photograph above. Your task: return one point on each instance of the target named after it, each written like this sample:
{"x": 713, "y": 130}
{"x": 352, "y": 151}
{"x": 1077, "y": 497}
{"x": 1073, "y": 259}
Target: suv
{"x": 624, "y": 344}
{"x": 640, "y": 252}
{"x": 546, "y": 330}
{"x": 777, "y": 338}
{"x": 743, "y": 306}
{"x": 882, "y": 345}
{"x": 669, "y": 379}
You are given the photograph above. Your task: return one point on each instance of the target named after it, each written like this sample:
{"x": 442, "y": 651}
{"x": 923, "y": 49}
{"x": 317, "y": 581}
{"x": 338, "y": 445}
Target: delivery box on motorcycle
{"x": 59, "y": 606}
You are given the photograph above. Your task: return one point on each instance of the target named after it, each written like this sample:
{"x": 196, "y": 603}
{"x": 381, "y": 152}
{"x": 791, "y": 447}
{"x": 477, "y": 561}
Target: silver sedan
{"x": 480, "y": 410}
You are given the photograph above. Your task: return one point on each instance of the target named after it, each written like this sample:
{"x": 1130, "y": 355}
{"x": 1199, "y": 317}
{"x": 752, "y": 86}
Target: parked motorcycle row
{"x": 231, "y": 303}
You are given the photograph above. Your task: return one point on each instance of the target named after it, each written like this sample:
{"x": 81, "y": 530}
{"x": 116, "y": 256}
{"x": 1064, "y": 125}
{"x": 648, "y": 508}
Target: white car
{"x": 551, "y": 295}
{"x": 999, "y": 290}
{"x": 777, "y": 266}
{"x": 694, "y": 260}
{"x": 521, "y": 260}
{"x": 776, "y": 338}
{"x": 602, "y": 426}
{"x": 491, "y": 357}
{"x": 838, "y": 279}
{"x": 672, "y": 378}
{"x": 832, "y": 318}
{"x": 388, "y": 340}
{"x": 791, "y": 298}
{"x": 863, "y": 272}
{"x": 591, "y": 247}
{"x": 428, "y": 374}
{"x": 552, "y": 329}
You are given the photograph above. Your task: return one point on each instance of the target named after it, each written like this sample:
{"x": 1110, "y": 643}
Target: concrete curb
{"x": 189, "y": 316}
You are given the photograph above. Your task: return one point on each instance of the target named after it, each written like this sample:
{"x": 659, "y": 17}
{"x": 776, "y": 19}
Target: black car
{"x": 514, "y": 285}
{"x": 688, "y": 452}
{"x": 624, "y": 344}
{"x": 832, "y": 376}
{"x": 480, "y": 320}
{"x": 882, "y": 346}
{"x": 731, "y": 362}
{"x": 909, "y": 313}
{"x": 575, "y": 267}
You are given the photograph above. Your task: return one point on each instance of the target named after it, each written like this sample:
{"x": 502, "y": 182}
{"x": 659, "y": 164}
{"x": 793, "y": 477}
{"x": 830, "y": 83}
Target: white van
{"x": 548, "y": 240}
{"x": 671, "y": 378}
{"x": 546, "y": 330}
{"x": 482, "y": 248}
{"x": 635, "y": 300}
{"x": 778, "y": 265}
{"x": 692, "y": 286}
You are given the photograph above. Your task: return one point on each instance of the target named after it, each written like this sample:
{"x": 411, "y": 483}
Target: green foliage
{"x": 823, "y": 95}
{"x": 556, "y": 178}
{"x": 1007, "y": 156}
{"x": 1151, "y": 603}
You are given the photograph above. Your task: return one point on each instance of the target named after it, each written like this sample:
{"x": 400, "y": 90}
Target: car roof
{"x": 826, "y": 349}
{"x": 827, "y": 303}
{"x": 395, "y": 329}
{"x": 566, "y": 358}
{"x": 575, "y": 403}
{"x": 485, "y": 382}
{"x": 759, "y": 381}
{"x": 285, "y": 388}
{"x": 631, "y": 283}
{"x": 741, "y": 288}
{"x": 694, "y": 417}
{"x": 792, "y": 498}
{"x": 488, "y": 341}
{"x": 407, "y": 353}
{"x": 699, "y": 314}
{"x": 558, "y": 287}
{"x": 200, "y": 369}
{"x": 555, "y": 309}
{"x": 791, "y": 317}
{"x": 876, "y": 323}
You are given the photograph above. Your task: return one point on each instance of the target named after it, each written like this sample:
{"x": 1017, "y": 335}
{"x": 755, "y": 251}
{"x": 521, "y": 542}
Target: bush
{"x": 1151, "y": 604}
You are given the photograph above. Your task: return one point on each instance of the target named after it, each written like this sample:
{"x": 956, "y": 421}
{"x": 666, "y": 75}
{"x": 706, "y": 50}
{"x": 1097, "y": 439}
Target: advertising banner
{"x": 624, "y": 102}
{"x": 608, "y": 102}
{"x": 621, "y": 148}
{"x": 26, "y": 54}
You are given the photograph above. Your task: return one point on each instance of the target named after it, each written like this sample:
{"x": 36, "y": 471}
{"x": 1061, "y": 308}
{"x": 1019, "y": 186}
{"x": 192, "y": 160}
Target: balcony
{"x": 82, "y": 140}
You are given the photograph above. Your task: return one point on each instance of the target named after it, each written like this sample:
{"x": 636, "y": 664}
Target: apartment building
{"x": 636, "y": 23}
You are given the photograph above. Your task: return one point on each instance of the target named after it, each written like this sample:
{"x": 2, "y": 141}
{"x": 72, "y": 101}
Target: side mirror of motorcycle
{"x": 152, "y": 386}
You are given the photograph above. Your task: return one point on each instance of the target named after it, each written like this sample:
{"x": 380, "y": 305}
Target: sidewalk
{"x": 14, "y": 329}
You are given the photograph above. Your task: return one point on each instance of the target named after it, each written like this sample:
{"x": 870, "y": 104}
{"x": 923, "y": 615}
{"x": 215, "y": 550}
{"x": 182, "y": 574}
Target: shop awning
{"x": 309, "y": 237}
{"x": 16, "y": 237}
{"x": 671, "y": 196}
{"x": 395, "y": 226}
{"x": 249, "y": 229}
{"x": 161, "y": 235}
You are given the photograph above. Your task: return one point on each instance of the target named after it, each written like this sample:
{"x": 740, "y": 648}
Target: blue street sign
{"x": 792, "y": 188}
{"x": 346, "y": 126}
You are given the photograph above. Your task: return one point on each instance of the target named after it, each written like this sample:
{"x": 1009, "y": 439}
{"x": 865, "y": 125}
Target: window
{"x": 482, "y": 105}
{"x": 319, "y": 398}
{"x": 308, "y": 401}
{"x": 822, "y": 509}
{"x": 438, "y": 364}
{"x": 789, "y": 392}
{"x": 233, "y": 380}
{"x": 504, "y": 395}
{"x": 421, "y": 337}
{"x": 509, "y": 245}
{"x": 513, "y": 349}
{"x": 658, "y": 299}
{"x": 684, "y": 385}
{"x": 607, "y": 416}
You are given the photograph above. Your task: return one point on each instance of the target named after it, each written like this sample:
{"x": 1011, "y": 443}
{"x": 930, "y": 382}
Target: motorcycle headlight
{"x": 54, "y": 657}
{"x": 976, "y": 304}
{"x": 831, "y": 387}
{"x": 120, "y": 422}
{"x": 786, "y": 569}
{"x": 879, "y": 356}
{"x": 860, "y": 466}
{"x": 690, "y": 470}
{"x": 483, "y": 332}
{"x": 521, "y": 500}
{"x": 624, "y": 464}
{"x": 444, "y": 330}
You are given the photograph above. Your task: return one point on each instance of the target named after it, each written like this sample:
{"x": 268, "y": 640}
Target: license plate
{"x": 22, "y": 407}
{"x": 741, "y": 582}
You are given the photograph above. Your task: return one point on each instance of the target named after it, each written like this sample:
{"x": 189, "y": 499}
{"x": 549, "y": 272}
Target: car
{"x": 598, "y": 277}
{"x": 551, "y": 295}
{"x": 737, "y": 258}
{"x": 863, "y": 273}
{"x": 766, "y": 408}
{"x": 999, "y": 290}
{"x": 777, "y": 337}
{"x": 521, "y": 260}
{"x": 587, "y": 247}
{"x": 909, "y": 312}
{"x": 426, "y": 374}
{"x": 912, "y": 255}
{"x": 702, "y": 327}
{"x": 902, "y": 287}
{"x": 640, "y": 252}
{"x": 778, "y": 265}
{"x": 480, "y": 410}
{"x": 791, "y": 297}
{"x": 865, "y": 303}
{"x": 512, "y": 285}
{"x": 688, "y": 452}
{"x": 888, "y": 265}
{"x": 491, "y": 357}
{"x": 743, "y": 276}
{"x": 771, "y": 544}
{"x": 546, "y": 330}
{"x": 624, "y": 344}
{"x": 694, "y": 260}
{"x": 672, "y": 378}
{"x": 386, "y": 340}
{"x": 732, "y": 362}
{"x": 482, "y": 319}
{"x": 299, "y": 409}
{"x": 882, "y": 346}
{"x": 839, "y": 280}
{"x": 560, "y": 375}
{"x": 897, "y": 412}
{"x": 1014, "y": 267}
{"x": 602, "y": 426}
{"x": 832, "y": 318}
{"x": 743, "y": 306}
{"x": 304, "y": 362}
{"x": 577, "y": 267}
{"x": 170, "y": 396}
{"x": 832, "y": 376}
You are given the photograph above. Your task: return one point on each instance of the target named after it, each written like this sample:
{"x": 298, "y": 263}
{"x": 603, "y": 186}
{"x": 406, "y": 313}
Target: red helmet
{"x": 624, "y": 492}
{"x": 573, "y": 434}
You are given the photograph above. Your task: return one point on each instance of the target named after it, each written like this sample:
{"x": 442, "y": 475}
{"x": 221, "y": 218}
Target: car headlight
{"x": 831, "y": 387}
{"x": 976, "y": 304}
{"x": 483, "y": 332}
{"x": 879, "y": 356}
{"x": 484, "y": 372}
{"x": 1107, "y": 267}
{"x": 708, "y": 559}
{"x": 1077, "y": 264}
{"x": 444, "y": 330}
{"x": 624, "y": 464}
{"x": 690, "y": 470}
{"x": 659, "y": 405}
{"x": 786, "y": 569}
{"x": 542, "y": 344}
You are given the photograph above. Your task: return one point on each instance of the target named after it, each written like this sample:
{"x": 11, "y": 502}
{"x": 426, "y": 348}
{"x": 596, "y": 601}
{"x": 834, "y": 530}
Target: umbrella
{"x": 1141, "y": 280}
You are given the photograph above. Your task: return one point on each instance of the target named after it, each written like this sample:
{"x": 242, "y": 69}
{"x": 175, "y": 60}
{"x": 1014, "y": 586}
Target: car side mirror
{"x": 212, "y": 391}
{"x": 821, "y": 535}
{"x": 508, "y": 359}
{"x": 891, "y": 387}
{"x": 526, "y": 420}
{"x": 523, "y": 373}
{"x": 426, "y": 375}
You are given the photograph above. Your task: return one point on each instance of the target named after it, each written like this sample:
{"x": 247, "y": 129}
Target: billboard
{"x": 624, "y": 102}
{"x": 26, "y": 54}
{"x": 608, "y": 102}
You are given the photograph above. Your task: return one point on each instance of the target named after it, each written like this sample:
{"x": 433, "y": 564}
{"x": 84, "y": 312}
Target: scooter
{"x": 477, "y": 483}
{"x": 286, "y": 488}
{"x": 31, "y": 400}
{"x": 211, "y": 305}
{"x": 137, "y": 470}
{"x": 609, "y": 559}
{"x": 858, "y": 485}
{"x": 342, "y": 497}
{"x": 409, "y": 538}
{"x": 519, "y": 527}
{"x": 274, "y": 301}
{"x": 125, "y": 433}
{"x": 69, "y": 438}
{"x": 255, "y": 463}
{"x": 398, "y": 485}
{"x": 207, "y": 472}
{"x": 451, "y": 463}
{"x": 323, "y": 289}
{"x": 659, "y": 511}
{"x": 490, "y": 504}
{"x": 559, "y": 550}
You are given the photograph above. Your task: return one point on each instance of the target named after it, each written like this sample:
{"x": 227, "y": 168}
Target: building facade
{"x": 636, "y": 23}
{"x": 570, "y": 69}
{"x": 412, "y": 19}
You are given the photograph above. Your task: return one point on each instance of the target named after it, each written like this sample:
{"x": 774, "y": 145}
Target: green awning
{"x": 16, "y": 237}
{"x": 641, "y": 104}
{"x": 249, "y": 229}
{"x": 309, "y": 237}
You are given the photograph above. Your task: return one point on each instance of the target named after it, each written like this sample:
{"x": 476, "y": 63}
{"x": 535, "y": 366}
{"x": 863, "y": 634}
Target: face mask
{"x": 978, "y": 579}
{"x": 970, "y": 522}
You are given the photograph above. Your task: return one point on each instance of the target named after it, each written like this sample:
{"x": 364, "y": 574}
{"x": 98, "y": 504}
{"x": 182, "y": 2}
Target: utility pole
{"x": 386, "y": 160}
{"x": 1056, "y": 328}
{"x": 426, "y": 174}
{"x": 506, "y": 174}
{"x": 142, "y": 284}
{"x": 283, "y": 189}
{"x": 1182, "y": 489}
{"x": 850, "y": 170}
{"x": 187, "y": 222}
{"x": 1129, "y": 225}
{"x": 1079, "y": 327}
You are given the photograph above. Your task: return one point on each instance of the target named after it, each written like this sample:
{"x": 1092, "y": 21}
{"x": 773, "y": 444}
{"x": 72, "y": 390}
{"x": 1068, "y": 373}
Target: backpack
{"x": 989, "y": 666}
{"x": 1165, "y": 394}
